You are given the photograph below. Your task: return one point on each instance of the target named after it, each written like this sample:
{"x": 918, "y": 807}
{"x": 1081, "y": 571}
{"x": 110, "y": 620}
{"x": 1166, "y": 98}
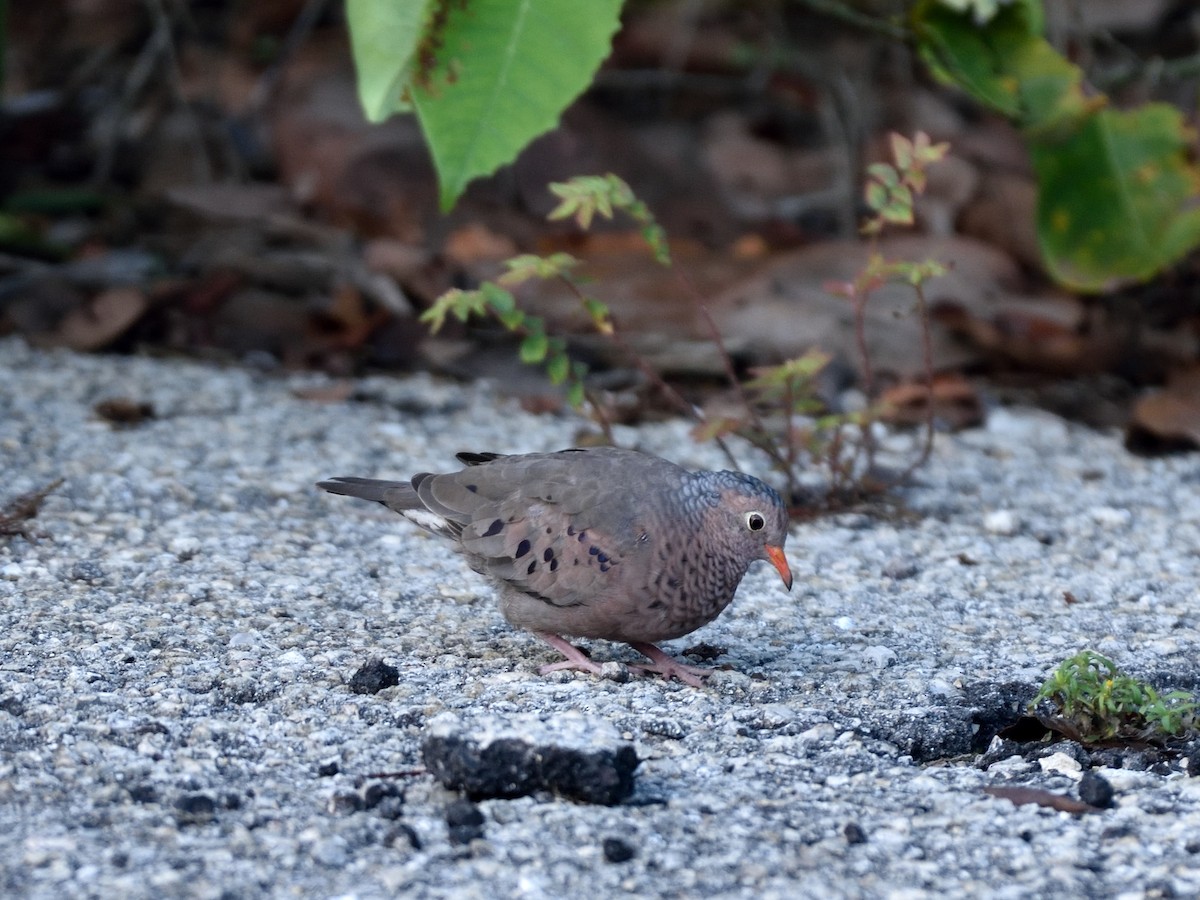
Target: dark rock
{"x": 195, "y": 809}
{"x": 996, "y": 707}
{"x": 373, "y": 676}
{"x": 617, "y": 850}
{"x": 464, "y": 821}
{"x": 933, "y": 733}
{"x": 1095, "y": 790}
{"x": 12, "y": 705}
{"x": 586, "y": 761}
{"x": 328, "y": 767}
{"x": 502, "y": 768}
{"x": 854, "y": 833}
{"x": 1194, "y": 763}
{"x": 600, "y": 777}
{"x": 385, "y": 797}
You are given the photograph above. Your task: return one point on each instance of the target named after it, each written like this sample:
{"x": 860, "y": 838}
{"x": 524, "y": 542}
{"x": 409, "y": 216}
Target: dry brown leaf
{"x": 955, "y": 402}
{"x": 124, "y": 411}
{"x": 348, "y": 322}
{"x": 111, "y": 313}
{"x": 1033, "y": 341}
{"x": 475, "y": 243}
{"x": 395, "y": 258}
{"x": 1020, "y": 796}
{"x": 1169, "y": 419}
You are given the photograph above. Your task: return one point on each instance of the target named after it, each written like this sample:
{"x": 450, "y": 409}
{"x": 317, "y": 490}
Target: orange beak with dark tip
{"x": 779, "y": 561}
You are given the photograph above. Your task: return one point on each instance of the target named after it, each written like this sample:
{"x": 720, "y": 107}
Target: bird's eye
{"x": 755, "y": 521}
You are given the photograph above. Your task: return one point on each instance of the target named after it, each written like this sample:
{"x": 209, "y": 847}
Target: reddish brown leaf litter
{"x": 124, "y": 411}
{"x": 1022, "y": 796}
{"x": 951, "y": 399}
{"x": 1169, "y": 419}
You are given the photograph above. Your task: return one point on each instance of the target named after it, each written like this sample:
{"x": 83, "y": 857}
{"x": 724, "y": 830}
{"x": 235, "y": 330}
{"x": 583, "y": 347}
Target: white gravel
{"x": 175, "y": 717}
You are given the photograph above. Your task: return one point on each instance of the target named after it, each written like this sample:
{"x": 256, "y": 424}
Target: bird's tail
{"x": 397, "y": 495}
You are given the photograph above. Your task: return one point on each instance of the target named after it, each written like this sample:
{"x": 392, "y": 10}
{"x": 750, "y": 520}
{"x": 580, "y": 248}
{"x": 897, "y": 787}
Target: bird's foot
{"x": 668, "y": 667}
{"x": 576, "y": 659}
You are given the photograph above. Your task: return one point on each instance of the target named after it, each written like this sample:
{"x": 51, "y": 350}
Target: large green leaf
{"x": 384, "y": 36}
{"x": 1118, "y": 198}
{"x": 979, "y": 59}
{"x": 506, "y": 71}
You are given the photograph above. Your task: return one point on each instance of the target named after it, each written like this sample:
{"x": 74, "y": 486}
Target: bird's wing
{"x": 555, "y": 526}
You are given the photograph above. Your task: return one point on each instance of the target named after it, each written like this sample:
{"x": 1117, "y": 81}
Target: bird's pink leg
{"x": 575, "y": 658}
{"x": 667, "y": 666}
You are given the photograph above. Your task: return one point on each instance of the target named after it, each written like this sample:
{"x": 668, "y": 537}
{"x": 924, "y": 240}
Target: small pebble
{"x": 1096, "y": 790}
{"x": 464, "y": 821}
{"x": 1002, "y": 521}
{"x": 373, "y": 677}
{"x": 854, "y": 833}
{"x": 617, "y": 850}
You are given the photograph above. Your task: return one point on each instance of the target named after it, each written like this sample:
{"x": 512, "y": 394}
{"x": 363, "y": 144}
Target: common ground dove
{"x": 597, "y": 543}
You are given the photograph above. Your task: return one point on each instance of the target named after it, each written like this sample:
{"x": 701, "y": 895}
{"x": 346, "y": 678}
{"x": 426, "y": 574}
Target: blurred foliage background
{"x": 200, "y": 178}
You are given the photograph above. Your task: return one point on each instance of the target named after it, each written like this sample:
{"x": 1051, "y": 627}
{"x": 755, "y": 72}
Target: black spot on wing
{"x": 494, "y": 529}
{"x": 522, "y": 549}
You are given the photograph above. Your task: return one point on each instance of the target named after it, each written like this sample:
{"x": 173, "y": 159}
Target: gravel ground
{"x": 176, "y": 656}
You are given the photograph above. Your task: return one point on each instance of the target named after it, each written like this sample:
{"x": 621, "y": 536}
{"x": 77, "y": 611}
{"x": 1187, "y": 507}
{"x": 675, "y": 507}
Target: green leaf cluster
{"x": 892, "y": 187}
{"x": 1118, "y": 190}
{"x": 1101, "y": 703}
{"x": 587, "y": 196}
{"x": 493, "y": 299}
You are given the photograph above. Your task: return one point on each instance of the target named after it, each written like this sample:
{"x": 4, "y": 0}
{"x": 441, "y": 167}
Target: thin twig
{"x": 866, "y": 443}
{"x": 756, "y": 421}
{"x": 851, "y": 16}
{"x": 601, "y": 416}
{"x": 789, "y": 415}
{"x": 653, "y": 376}
{"x": 136, "y": 79}
{"x": 927, "y": 362}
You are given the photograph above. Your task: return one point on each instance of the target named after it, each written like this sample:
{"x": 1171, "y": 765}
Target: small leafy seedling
{"x": 779, "y": 410}
{"x": 1088, "y": 698}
